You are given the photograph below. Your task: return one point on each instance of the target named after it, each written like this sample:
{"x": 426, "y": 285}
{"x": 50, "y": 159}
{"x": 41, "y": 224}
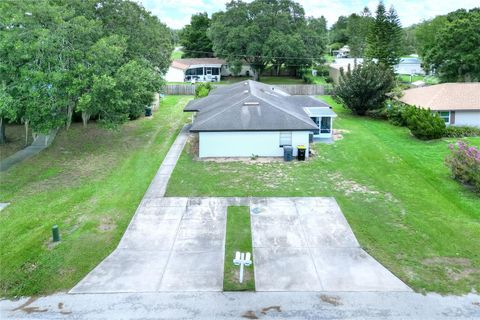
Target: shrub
{"x": 396, "y": 113}
{"x": 378, "y": 113}
{"x": 424, "y": 124}
{"x": 460, "y": 132}
{"x": 365, "y": 87}
{"x": 203, "y": 89}
{"x": 464, "y": 163}
{"x": 308, "y": 78}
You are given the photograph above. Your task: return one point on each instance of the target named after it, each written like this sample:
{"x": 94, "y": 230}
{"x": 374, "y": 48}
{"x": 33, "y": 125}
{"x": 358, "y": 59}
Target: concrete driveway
{"x": 172, "y": 244}
{"x": 306, "y": 244}
{"x": 300, "y": 244}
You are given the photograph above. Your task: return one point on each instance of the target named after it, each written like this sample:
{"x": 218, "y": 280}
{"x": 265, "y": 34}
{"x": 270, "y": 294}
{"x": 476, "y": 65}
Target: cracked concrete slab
{"x": 285, "y": 269}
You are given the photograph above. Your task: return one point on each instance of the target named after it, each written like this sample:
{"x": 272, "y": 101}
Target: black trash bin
{"x": 148, "y": 111}
{"x": 287, "y": 153}
{"x": 301, "y": 150}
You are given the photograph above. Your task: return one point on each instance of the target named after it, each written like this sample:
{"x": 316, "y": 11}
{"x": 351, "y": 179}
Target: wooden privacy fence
{"x": 293, "y": 89}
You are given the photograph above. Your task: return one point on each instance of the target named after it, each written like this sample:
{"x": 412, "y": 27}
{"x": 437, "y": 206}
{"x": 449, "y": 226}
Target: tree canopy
{"x": 60, "y": 57}
{"x": 364, "y": 88}
{"x": 267, "y": 32}
{"x": 194, "y": 39}
{"x": 451, "y": 45}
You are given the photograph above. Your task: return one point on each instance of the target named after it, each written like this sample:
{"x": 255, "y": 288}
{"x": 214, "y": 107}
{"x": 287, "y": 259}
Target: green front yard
{"x": 89, "y": 182}
{"x": 238, "y": 238}
{"x": 395, "y": 191}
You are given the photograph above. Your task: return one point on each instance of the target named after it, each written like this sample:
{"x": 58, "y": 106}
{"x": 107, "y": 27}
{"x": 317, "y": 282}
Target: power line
{"x": 258, "y": 56}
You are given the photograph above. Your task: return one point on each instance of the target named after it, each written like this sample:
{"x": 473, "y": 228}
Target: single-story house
{"x": 251, "y": 118}
{"x": 410, "y": 65}
{"x": 202, "y": 70}
{"x": 457, "y": 103}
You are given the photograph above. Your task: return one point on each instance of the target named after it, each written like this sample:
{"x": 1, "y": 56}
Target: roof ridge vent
{"x": 251, "y": 103}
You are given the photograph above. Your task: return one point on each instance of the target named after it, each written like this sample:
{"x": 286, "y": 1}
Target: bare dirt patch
{"x": 350, "y": 186}
{"x": 106, "y": 224}
{"x": 338, "y": 134}
{"x": 456, "y": 268}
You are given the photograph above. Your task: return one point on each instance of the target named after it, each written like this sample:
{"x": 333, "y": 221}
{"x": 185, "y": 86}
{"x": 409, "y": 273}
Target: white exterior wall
{"x": 246, "y": 143}
{"x": 467, "y": 118}
{"x": 227, "y": 73}
{"x": 174, "y": 75}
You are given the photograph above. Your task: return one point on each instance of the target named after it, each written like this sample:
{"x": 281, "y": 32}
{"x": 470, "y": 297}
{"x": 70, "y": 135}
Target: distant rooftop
{"x": 445, "y": 96}
{"x": 184, "y": 64}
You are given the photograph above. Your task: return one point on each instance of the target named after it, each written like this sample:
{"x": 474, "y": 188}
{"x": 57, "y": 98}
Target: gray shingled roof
{"x": 252, "y": 106}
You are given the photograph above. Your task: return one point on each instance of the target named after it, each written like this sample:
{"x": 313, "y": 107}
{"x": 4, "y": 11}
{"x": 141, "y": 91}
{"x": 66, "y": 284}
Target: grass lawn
{"x": 90, "y": 183}
{"x": 176, "y": 54}
{"x": 15, "y": 140}
{"x": 238, "y": 238}
{"x": 405, "y": 78}
{"x": 395, "y": 191}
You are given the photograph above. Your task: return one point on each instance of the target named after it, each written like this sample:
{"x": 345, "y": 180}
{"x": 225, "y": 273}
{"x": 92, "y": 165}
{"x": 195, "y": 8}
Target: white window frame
{"x": 285, "y": 138}
{"x": 448, "y": 118}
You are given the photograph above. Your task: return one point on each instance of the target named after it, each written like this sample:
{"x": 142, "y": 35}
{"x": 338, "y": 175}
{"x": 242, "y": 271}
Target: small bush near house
{"x": 397, "y": 113}
{"x": 424, "y": 124}
{"x": 464, "y": 162}
{"x": 461, "y": 132}
{"x": 203, "y": 89}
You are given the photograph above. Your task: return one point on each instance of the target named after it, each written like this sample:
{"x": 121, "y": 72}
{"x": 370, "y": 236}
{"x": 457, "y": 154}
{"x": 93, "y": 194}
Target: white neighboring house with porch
{"x": 197, "y": 69}
{"x": 202, "y": 70}
{"x": 251, "y": 118}
{"x": 457, "y": 103}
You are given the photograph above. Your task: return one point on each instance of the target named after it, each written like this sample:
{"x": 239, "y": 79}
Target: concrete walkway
{"x": 245, "y": 305}
{"x": 40, "y": 143}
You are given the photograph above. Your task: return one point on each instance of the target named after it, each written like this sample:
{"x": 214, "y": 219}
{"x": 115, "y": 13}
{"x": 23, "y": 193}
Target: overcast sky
{"x": 177, "y": 13}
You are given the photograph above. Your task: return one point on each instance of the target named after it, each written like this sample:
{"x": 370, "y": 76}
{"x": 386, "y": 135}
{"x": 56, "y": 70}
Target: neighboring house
{"x": 410, "y": 65}
{"x": 457, "y": 103}
{"x": 343, "y": 52}
{"x": 201, "y": 69}
{"x": 251, "y": 118}
{"x": 335, "y": 66}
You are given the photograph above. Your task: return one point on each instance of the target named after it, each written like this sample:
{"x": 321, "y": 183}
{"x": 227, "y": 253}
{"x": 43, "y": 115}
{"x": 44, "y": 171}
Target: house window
{"x": 285, "y": 139}
{"x": 215, "y": 71}
{"x": 325, "y": 125}
{"x": 445, "y": 115}
{"x": 208, "y": 71}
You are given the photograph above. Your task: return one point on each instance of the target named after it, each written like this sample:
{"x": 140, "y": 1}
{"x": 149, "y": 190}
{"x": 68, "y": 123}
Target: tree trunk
{"x": 26, "y": 133}
{"x": 256, "y": 75}
{"x": 85, "y": 118}
{"x": 278, "y": 70}
{"x": 70, "y": 107}
{"x": 3, "y": 137}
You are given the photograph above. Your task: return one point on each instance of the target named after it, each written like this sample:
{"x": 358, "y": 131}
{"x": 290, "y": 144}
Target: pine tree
{"x": 384, "y": 37}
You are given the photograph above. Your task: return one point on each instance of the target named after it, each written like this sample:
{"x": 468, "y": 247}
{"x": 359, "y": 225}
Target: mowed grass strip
{"x": 395, "y": 191}
{"x": 238, "y": 238}
{"x": 89, "y": 182}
